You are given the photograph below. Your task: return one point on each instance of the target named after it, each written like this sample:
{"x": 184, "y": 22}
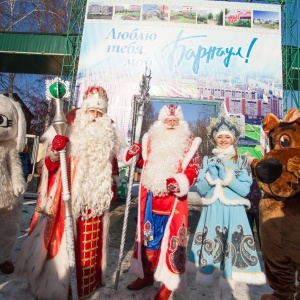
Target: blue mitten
{"x": 221, "y": 169}
{"x": 213, "y": 169}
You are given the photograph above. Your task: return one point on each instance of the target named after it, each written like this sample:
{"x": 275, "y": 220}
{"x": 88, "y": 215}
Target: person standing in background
{"x": 26, "y": 162}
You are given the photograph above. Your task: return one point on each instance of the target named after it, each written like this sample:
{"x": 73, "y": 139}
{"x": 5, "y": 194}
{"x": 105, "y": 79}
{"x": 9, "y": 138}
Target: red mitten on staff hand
{"x": 172, "y": 185}
{"x": 133, "y": 150}
{"x": 59, "y": 142}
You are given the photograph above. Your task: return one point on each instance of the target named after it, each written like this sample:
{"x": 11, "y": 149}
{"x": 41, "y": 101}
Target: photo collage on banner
{"x": 199, "y": 50}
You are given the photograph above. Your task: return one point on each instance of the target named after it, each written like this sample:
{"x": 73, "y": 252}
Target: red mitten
{"x": 133, "y": 150}
{"x": 172, "y": 185}
{"x": 59, "y": 142}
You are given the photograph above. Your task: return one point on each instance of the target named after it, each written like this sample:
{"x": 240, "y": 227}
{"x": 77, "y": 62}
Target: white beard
{"x": 167, "y": 150}
{"x": 93, "y": 145}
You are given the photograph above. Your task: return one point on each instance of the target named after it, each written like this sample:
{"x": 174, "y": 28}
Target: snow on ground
{"x": 15, "y": 288}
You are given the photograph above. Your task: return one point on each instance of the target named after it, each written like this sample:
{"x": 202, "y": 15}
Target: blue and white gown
{"x": 223, "y": 247}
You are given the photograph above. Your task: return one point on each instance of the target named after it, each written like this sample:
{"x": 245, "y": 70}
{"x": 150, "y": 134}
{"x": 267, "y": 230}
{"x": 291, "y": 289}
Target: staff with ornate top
{"x": 59, "y": 90}
{"x": 142, "y": 99}
{"x": 92, "y": 144}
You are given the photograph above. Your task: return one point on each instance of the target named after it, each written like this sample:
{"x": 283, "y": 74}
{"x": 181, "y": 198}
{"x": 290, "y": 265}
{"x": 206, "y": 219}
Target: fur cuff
{"x": 183, "y": 183}
{"x": 126, "y": 162}
{"x": 227, "y": 180}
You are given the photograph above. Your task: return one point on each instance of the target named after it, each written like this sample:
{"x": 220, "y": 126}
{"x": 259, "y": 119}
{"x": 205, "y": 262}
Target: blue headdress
{"x": 224, "y": 123}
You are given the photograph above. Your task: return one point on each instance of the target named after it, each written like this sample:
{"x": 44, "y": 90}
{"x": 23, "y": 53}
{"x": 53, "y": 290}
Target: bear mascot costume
{"x": 278, "y": 174}
{"x": 12, "y": 183}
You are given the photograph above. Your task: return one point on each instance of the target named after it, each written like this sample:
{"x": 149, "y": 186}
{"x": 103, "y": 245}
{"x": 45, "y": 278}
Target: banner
{"x": 203, "y": 50}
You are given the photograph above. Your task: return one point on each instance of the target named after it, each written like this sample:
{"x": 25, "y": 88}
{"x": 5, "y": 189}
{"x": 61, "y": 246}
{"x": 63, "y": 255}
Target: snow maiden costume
{"x": 43, "y": 258}
{"x": 170, "y": 164}
{"x": 223, "y": 249}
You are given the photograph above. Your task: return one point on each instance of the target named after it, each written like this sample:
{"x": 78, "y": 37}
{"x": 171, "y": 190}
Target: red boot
{"x": 163, "y": 293}
{"x": 149, "y": 264}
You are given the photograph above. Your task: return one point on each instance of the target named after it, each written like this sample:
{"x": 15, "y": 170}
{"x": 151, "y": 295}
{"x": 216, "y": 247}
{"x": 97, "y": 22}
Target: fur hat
{"x": 12, "y": 122}
{"x": 170, "y": 111}
{"x": 95, "y": 97}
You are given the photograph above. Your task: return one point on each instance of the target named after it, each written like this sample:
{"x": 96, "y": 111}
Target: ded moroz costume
{"x": 223, "y": 249}
{"x": 91, "y": 155}
{"x": 170, "y": 161}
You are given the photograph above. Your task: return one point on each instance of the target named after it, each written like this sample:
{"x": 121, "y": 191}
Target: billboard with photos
{"x": 204, "y": 50}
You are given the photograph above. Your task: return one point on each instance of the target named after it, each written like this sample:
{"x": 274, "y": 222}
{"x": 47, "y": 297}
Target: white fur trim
{"x": 126, "y": 162}
{"x": 145, "y": 142}
{"x": 48, "y": 135}
{"x": 183, "y": 183}
{"x": 218, "y": 193}
{"x": 46, "y": 281}
{"x": 32, "y": 253}
{"x": 173, "y": 282}
{"x": 238, "y": 201}
{"x": 165, "y": 113}
{"x": 96, "y": 101}
{"x": 190, "y": 154}
{"x": 53, "y": 282}
{"x": 250, "y": 278}
{"x": 227, "y": 180}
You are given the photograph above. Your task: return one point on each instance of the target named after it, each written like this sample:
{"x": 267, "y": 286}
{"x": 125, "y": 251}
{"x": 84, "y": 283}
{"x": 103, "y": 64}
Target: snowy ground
{"x": 14, "y": 288}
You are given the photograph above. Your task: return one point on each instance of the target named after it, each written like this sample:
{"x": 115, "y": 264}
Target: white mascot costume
{"x": 12, "y": 183}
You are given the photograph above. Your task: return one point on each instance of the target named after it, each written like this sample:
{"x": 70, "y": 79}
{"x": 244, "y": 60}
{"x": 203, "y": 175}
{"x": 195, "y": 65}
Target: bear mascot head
{"x": 12, "y": 183}
{"x": 277, "y": 174}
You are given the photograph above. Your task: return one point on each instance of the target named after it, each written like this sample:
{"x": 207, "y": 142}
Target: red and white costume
{"x": 43, "y": 258}
{"x": 163, "y": 158}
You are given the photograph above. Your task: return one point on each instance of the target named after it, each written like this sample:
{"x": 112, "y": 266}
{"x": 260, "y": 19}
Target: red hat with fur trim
{"x": 95, "y": 97}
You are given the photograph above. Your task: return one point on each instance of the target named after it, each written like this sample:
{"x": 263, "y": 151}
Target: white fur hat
{"x": 170, "y": 111}
{"x": 95, "y": 97}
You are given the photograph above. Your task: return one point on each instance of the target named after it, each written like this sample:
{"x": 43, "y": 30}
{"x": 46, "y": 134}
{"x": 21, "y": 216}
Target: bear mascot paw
{"x": 277, "y": 174}
{"x": 12, "y": 183}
